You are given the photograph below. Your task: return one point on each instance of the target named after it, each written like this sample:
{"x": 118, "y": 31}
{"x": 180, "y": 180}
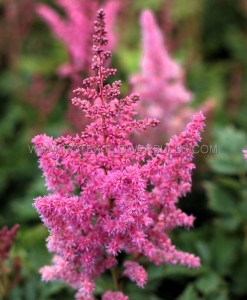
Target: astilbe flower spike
{"x": 104, "y": 200}
{"x": 161, "y": 79}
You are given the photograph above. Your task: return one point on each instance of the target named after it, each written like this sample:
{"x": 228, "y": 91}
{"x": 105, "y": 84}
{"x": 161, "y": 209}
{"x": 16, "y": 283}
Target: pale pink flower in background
{"x": 103, "y": 201}
{"x": 42, "y": 97}
{"x": 161, "y": 80}
{"x": 10, "y": 264}
{"x": 75, "y": 29}
{"x": 245, "y": 154}
{"x": 15, "y": 24}
{"x": 7, "y": 237}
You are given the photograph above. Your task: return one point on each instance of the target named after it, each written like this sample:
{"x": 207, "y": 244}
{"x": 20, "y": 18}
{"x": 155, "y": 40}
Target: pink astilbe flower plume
{"x": 107, "y": 197}
{"x": 161, "y": 80}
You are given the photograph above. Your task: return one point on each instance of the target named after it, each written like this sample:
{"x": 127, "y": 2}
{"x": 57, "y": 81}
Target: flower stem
{"x": 115, "y": 278}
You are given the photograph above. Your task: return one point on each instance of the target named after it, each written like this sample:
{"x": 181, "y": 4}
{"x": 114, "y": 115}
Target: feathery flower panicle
{"x": 104, "y": 201}
{"x": 75, "y": 30}
{"x": 161, "y": 81}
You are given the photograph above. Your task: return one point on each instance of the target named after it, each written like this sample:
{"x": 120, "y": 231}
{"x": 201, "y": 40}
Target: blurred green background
{"x": 209, "y": 38}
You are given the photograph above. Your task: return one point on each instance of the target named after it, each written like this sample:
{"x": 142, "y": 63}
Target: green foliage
{"x": 189, "y": 294}
{"x": 230, "y": 144}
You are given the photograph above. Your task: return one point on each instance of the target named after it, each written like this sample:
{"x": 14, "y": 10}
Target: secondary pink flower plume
{"x": 245, "y": 154}
{"x": 106, "y": 196}
{"x": 41, "y": 97}
{"x": 161, "y": 81}
{"x": 76, "y": 29}
{"x": 15, "y": 24}
{"x": 10, "y": 266}
{"x": 7, "y": 237}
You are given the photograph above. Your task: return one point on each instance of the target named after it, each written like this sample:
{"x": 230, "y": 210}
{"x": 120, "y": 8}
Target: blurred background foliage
{"x": 209, "y": 38}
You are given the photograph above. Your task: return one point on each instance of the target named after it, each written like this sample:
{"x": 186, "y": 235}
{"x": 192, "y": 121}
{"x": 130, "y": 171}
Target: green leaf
{"x": 219, "y": 199}
{"x": 160, "y": 272}
{"x": 231, "y": 183}
{"x": 181, "y": 11}
{"x": 32, "y": 241}
{"x": 137, "y": 293}
{"x": 239, "y": 278}
{"x": 225, "y": 251}
{"x": 129, "y": 60}
{"x": 229, "y": 159}
{"x": 144, "y": 4}
{"x": 218, "y": 295}
{"x": 228, "y": 223}
{"x": 203, "y": 250}
{"x": 243, "y": 210}
{"x": 103, "y": 284}
{"x": 189, "y": 294}
{"x": 208, "y": 283}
